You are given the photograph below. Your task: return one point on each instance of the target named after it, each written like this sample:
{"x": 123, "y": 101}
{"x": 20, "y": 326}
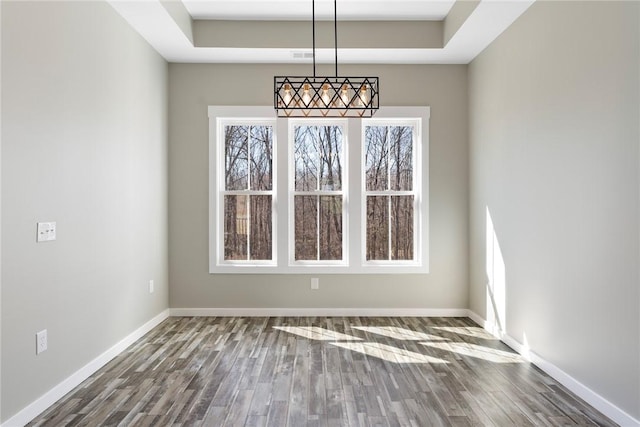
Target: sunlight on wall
{"x": 496, "y": 283}
{"x": 316, "y": 333}
{"x": 398, "y": 333}
{"x": 525, "y": 351}
{"x": 387, "y": 352}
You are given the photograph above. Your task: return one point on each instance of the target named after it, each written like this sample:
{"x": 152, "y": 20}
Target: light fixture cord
{"x": 335, "y": 31}
{"x": 313, "y": 18}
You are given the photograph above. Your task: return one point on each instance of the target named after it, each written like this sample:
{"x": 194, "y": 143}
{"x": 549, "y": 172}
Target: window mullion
{"x": 390, "y": 193}
{"x": 389, "y": 226}
{"x": 248, "y": 198}
{"x": 248, "y": 201}
{"x": 388, "y": 197}
{"x": 317, "y": 228}
{"x": 388, "y": 155}
{"x": 246, "y": 193}
{"x": 318, "y": 193}
{"x": 318, "y": 186}
{"x": 248, "y": 157}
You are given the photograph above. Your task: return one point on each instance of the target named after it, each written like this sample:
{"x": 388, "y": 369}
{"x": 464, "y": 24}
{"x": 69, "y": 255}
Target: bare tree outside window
{"x": 318, "y": 197}
{"x": 389, "y": 192}
{"x": 248, "y": 198}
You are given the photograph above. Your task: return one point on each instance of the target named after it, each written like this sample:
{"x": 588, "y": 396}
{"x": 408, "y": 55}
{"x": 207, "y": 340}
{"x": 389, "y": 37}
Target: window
{"x": 318, "y": 165}
{"x": 248, "y": 192}
{"x": 389, "y": 190}
{"x": 245, "y": 193}
{"x": 318, "y": 195}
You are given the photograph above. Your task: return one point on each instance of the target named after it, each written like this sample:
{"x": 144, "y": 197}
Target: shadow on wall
{"x": 496, "y": 287}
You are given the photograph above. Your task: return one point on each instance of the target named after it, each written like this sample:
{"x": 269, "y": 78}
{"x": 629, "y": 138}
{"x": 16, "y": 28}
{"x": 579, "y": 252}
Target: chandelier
{"x": 315, "y": 96}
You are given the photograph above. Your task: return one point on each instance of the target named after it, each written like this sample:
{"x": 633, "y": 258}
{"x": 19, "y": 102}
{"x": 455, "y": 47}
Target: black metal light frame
{"x": 300, "y": 96}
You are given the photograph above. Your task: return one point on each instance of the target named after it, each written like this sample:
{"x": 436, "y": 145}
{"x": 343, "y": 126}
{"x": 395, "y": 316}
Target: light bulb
{"x": 325, "y": 95}
{"x": 364, "y": 99}
{"x": 287, "y": 94}
{"x": 306, "y": 97}
{"x": 344, "y": 95}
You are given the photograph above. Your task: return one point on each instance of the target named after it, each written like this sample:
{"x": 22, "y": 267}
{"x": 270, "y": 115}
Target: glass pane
{"x": 318, "y": 156}
{"x": 400, "y": 158}
{"x": 236, "y": 159}
{"x": 306, "y": 158}
{"x": 235, "y": 227}
{"x": 306, "y": 227}
{"x": 330, "y": 152}
{"x": 261, "y": 157}
{"x": 260, "y": 231}
{"x": 402, "y": 227}
{"x": 376, "y": 157}
{"x": 331, "y": 227}
{"x": 377, "y": 228}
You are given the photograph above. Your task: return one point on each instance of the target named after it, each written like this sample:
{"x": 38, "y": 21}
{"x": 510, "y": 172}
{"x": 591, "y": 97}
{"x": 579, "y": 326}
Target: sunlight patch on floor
{"x": 387, "y": 352}
{"x": 398, "y": 333}
{"x": 486, "y": 353}
{"x": 471, "y": 331}
{"x": 316, "y": 333}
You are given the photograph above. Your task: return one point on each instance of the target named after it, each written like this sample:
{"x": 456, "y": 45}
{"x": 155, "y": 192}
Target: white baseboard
{"x": 56, "y": 393}
{"x": 479, "y": 320}
{"x": 585, "y": 393}
{"x": 323, "y": 312}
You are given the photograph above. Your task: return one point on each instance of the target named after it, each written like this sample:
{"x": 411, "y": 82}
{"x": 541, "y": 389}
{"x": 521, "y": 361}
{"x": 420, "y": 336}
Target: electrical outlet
{"x": 151, "y": 287}
{"x": 46, "y": 231}
{"x": 315, "y": 283}
{"x": 41, "y": 341}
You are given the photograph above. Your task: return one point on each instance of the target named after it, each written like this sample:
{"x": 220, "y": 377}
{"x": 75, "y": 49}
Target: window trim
{"x": 354, "y": 238}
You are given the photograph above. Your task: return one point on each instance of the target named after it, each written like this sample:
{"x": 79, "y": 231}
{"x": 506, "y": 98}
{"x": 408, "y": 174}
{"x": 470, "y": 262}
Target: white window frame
{"x": 416, "y": 192}
{"x": 236, "y": 116}
{"x": 343, "y": 123}
{"x": 354, "y": 202}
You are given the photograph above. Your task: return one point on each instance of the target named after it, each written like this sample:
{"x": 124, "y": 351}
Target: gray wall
{"x": 554, "y": 157}
{"x": 193, "y": 87}
{"x": 84, "y": 143}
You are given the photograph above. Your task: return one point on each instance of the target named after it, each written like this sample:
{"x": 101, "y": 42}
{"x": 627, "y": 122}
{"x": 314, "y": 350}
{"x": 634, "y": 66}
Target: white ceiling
{"x": 487, "y": 21}
{"x": 429, "y": 10}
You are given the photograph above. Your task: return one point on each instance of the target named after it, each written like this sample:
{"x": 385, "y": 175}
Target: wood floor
{"x": 318, "y": 371}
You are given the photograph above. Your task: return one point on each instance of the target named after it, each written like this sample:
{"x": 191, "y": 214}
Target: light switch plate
{"x": 41, "y": 341}
{"x": 46, "y": 231}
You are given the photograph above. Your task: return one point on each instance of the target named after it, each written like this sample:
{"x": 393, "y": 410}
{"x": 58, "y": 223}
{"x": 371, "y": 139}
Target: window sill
{"x": 320, "y": 269}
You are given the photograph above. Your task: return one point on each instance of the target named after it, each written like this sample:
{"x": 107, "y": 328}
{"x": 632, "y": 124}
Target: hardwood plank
{"x": 237, "y": 414}
{"x": 261, "y": 399}
{"x": 277, "y": 415}
{"x": 299, "y": 397}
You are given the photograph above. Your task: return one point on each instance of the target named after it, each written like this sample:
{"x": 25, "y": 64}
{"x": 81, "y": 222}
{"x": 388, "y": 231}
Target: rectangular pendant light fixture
{"x": 300, "y": 96}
